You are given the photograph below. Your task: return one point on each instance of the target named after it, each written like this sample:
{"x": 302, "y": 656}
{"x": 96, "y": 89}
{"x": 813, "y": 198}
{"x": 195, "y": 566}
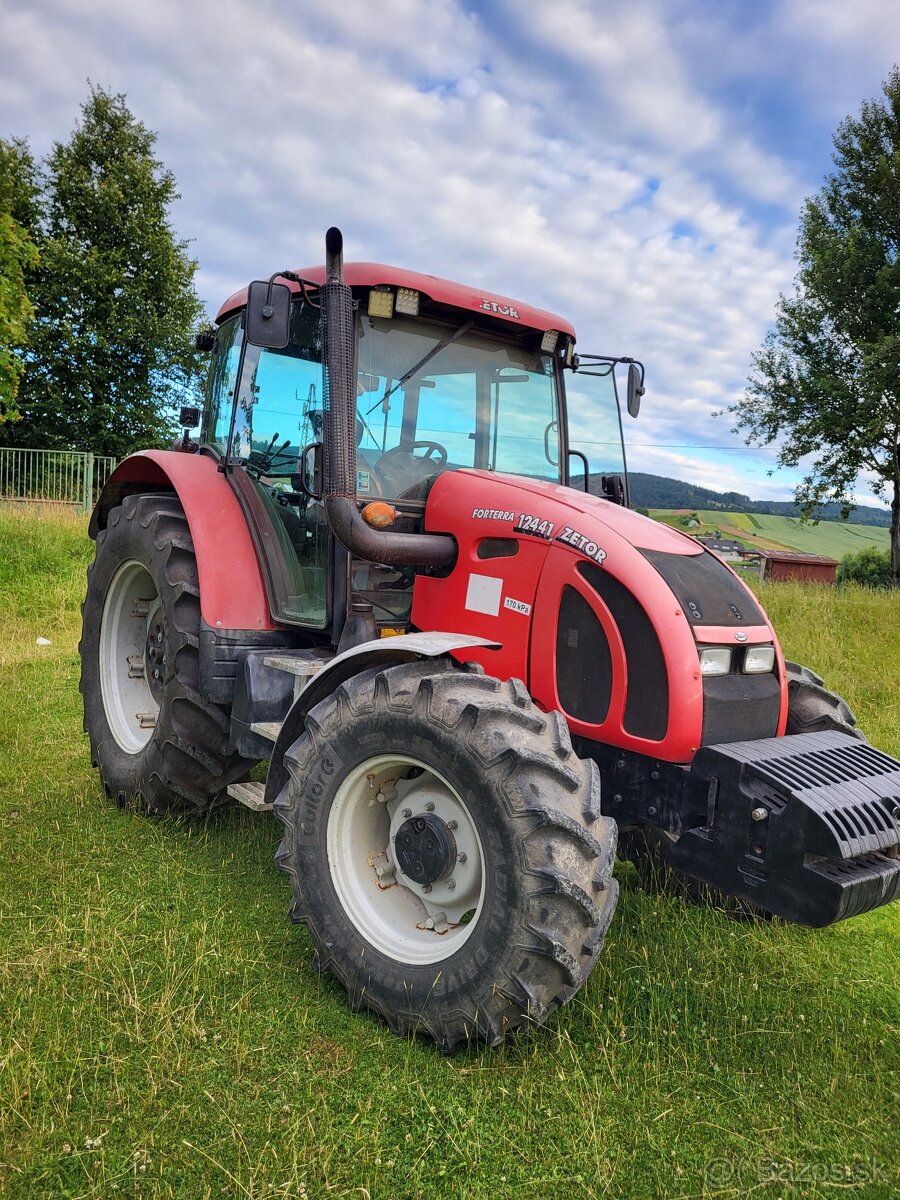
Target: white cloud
{"x": 578, "y": 157}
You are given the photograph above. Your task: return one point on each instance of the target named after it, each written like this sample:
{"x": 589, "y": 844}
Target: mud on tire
{"x": 524, "y": 800}
{"x": 143, "y": 596}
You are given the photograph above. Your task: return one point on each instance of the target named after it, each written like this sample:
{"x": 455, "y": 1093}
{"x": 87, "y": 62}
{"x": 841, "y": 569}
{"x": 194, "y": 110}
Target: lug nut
{"x": 426, "y": 888}
{"x": 407, "y": 812}
{"x": 451, "y": 884}
{"x": 462, "y": 856}
{"x": 759, "y": 814}
{"x": 429, "y": 807}
{"x": 452, "y": 824}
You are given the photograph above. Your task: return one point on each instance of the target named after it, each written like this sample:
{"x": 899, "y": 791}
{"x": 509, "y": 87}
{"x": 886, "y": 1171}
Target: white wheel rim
{"x": 404, "y": 920}
{"x": 131, "y": 613}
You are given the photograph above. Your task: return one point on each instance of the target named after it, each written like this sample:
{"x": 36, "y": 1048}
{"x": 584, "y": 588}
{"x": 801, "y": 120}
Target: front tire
{"x": 153, "y": 736}
{"x": 812, "y": 708}
{"x": 446, "y": 851}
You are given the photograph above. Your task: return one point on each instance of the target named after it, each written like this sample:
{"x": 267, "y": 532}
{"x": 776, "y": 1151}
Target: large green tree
{"x": 110, "y": 348}
{"x": 826, "y": 384}
{"x": 18, "y": 258}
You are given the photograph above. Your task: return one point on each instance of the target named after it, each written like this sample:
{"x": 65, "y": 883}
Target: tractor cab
{"x": 445, "y": 378}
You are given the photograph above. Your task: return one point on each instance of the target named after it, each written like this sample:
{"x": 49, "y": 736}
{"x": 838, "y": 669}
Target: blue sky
{"x": 636, "y": 166}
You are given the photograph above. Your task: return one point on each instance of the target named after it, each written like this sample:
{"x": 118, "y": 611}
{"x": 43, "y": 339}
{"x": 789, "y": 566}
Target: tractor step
{"x": 251, "y": 795}
{"x": 304, "y": 663}
{"x": 268, "y": 682}
{"x": 267, "y": 729}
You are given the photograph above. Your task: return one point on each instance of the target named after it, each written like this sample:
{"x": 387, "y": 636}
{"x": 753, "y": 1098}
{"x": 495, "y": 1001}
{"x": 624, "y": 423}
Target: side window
{"x": 222, "y": 382}
{"x": 279, "y": 401}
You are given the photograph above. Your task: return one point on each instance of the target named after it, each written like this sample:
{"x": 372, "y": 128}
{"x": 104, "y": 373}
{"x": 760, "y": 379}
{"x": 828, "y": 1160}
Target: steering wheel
{"x": 439, "y": 461}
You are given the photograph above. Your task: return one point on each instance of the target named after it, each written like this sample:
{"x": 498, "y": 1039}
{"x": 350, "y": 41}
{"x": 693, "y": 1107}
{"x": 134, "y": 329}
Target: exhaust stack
{"x": 396, "y": 549}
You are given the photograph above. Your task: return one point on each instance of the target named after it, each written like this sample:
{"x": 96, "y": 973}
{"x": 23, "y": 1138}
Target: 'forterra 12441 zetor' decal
{"x": 580, "y": 541}
{"x": 527, "y": 523}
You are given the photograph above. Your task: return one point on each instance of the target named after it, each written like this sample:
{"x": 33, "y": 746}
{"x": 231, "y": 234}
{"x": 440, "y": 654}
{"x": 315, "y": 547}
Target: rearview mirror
{"x": 268, "y": 319}
{"x": 635, "y": 389}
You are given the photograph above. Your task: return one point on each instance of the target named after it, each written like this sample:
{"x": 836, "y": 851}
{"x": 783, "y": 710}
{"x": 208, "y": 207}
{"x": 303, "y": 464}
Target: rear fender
{"x": 232, "y": 591}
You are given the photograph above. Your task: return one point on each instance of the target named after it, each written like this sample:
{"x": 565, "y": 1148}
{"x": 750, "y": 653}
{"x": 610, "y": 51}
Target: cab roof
{"x": 442, "y": 291}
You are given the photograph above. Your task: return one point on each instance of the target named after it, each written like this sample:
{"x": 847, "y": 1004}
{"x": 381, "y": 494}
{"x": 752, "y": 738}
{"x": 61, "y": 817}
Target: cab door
{"x": 595, "y": 427}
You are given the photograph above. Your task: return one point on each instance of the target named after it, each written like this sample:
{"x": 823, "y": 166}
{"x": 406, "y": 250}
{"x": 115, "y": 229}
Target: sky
{"x": 637, "y": 166}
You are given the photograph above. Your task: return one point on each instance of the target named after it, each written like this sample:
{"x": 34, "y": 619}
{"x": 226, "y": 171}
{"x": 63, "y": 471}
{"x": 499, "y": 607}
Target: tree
{"x": 110, "y": 351}
{"x": 18, "y": 258}
{"x": 867, "y": 566}
{"x": 827, "y": 380}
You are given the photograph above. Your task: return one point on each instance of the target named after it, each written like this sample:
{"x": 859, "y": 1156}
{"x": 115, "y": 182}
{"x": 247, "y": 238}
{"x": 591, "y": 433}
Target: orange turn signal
{"x": 378, "y": 514}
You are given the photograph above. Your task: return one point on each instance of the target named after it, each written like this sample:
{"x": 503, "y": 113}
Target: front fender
{"x": 386, "y": 652}
{"x": 232, "y": 592}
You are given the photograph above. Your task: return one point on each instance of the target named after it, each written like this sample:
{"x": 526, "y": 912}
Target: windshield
{"x": 433, "y": 397}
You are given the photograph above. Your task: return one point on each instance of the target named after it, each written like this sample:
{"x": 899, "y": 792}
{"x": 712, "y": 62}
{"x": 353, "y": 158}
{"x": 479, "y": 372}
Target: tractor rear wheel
{"x": 152, "y": 734}
{"x": 446, "y": 851}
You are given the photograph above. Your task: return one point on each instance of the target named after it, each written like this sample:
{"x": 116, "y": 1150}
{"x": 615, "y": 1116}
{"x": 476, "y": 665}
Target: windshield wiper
{"x": 432, "y": 353}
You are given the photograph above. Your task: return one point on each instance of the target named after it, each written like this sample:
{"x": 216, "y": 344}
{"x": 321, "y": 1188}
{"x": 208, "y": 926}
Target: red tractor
{"x": 375, "y": 570}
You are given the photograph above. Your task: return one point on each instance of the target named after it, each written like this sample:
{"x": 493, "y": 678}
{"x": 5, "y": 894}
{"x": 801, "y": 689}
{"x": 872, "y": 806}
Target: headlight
{"x": 715, "y": 660}
{"x": 758, "y": 660}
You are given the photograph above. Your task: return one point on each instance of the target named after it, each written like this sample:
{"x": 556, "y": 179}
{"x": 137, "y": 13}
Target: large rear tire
{"x": 153, "y": 735}
{"x": 446, "y": 851}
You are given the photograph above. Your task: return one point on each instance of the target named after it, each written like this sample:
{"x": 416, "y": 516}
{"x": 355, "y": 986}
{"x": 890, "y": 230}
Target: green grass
{"x": 833, "y": 539}
{"x": 164, "y": 1033}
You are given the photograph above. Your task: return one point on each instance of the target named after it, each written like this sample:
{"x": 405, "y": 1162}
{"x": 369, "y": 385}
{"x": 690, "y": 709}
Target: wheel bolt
{"x": 407, "y": 812}
{"x": 451, "y": 884}
{"x": 426, "y": 887}
{"x": 462, "y": 856}
{"x": 429, "y": 807}
{"x": 452, "y": 824}
{"x": 759, "y": 814}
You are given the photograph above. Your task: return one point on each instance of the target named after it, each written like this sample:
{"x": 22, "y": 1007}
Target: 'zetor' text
{"x": 579, "y": 541}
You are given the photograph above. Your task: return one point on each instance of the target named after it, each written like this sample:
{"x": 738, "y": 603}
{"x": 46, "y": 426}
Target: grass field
{"x": 163, "y": 1032}
{"x": 833, "y": 539}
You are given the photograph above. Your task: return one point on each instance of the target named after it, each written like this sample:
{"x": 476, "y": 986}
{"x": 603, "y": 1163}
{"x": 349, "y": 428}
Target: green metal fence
{"x": 53, "y": 476}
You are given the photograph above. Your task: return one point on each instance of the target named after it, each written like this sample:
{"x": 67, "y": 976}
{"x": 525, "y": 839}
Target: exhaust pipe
{"x": 339, "y": 403}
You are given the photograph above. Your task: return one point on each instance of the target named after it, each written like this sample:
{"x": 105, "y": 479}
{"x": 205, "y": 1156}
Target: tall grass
{"x": 163, "y": 1032}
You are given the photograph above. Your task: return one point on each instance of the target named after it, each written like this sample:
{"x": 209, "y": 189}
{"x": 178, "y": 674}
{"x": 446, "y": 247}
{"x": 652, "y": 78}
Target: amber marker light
{"x": 379, "y": 515}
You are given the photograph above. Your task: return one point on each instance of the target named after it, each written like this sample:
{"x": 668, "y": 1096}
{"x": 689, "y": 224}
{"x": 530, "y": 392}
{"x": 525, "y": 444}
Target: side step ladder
{"x": 303, "y": 665}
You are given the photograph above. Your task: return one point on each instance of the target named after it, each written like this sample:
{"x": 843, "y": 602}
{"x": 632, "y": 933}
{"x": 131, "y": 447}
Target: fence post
{"x": 88, "y": 482}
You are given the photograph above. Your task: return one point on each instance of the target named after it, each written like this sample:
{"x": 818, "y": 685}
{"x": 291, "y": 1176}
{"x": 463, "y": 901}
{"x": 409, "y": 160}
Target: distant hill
{"x": 658, "y": 491}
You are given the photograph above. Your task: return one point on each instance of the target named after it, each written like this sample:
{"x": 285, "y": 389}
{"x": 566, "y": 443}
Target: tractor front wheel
{"x": 446, "y": 851}
{"x": 153, "y": 735}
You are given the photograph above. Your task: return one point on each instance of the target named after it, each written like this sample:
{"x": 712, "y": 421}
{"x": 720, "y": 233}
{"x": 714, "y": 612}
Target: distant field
{"x": 831, "y": 538}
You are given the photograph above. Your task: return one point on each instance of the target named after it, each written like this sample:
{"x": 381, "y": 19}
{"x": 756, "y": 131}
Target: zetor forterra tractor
{"x": 375, "y": 570}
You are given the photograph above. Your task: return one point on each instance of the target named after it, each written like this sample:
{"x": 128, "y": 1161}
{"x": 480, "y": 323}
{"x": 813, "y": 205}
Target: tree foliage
{"x": 867, "y": 566}
{"x": 18, "y": 258}
{"x": 110, "y": 349}
{"x": 826, "y": 383}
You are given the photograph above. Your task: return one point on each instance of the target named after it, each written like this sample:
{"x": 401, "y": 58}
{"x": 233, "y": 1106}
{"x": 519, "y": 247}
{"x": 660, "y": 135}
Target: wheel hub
{"x": 155, "y": 657}
{"x": 425, "y": 849}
